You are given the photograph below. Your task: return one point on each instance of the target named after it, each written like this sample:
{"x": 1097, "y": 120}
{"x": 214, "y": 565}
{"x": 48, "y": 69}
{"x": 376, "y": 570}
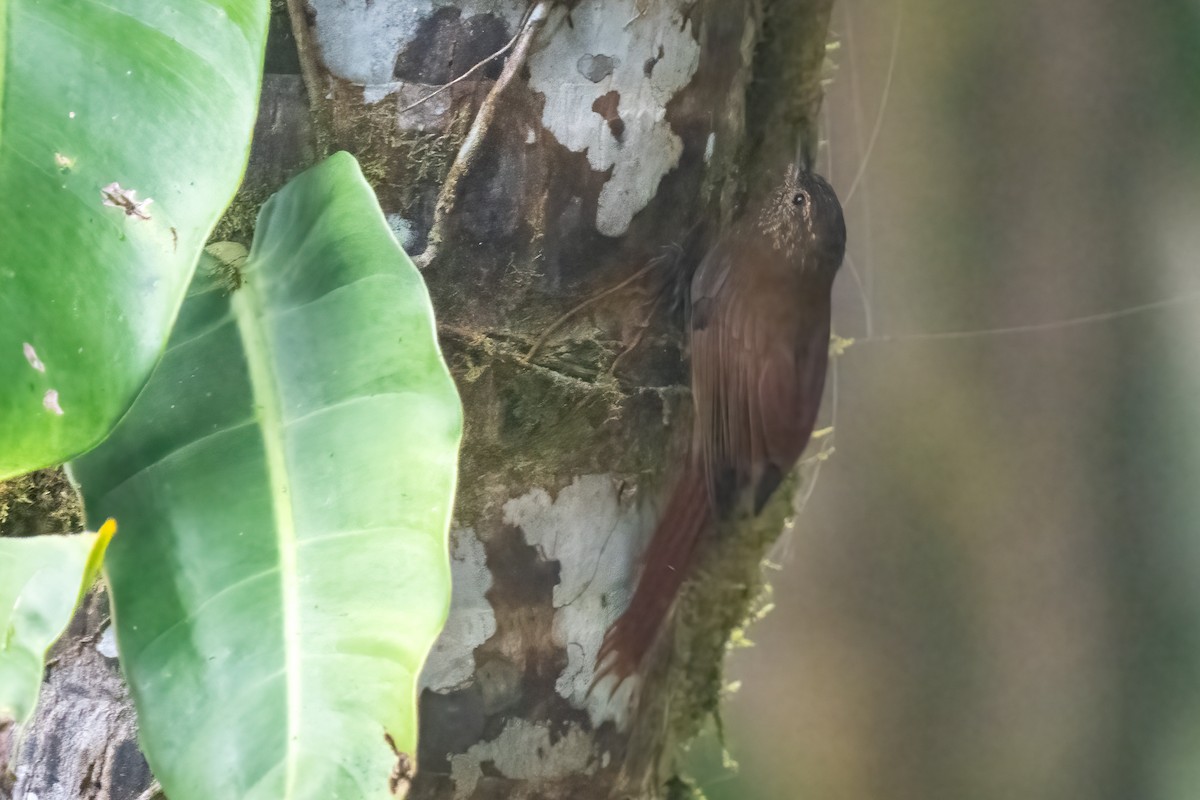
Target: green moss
{"x": 237, "y": 223}
{"x": 42, "y": 502}
{"x": 397, "y": 163}
{"x": 786, "y": 93}
{"x": 564, "y": 403}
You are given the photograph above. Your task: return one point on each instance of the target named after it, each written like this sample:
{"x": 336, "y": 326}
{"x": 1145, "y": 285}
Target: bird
{"x": 758, "y": 335}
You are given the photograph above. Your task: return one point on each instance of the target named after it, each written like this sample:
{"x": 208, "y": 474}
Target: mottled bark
{"x": 82, "y": 742}
{"x": 607, "y": 135}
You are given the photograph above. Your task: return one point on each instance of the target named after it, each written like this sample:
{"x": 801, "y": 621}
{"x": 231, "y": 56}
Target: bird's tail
{"x": 665, "y": 565}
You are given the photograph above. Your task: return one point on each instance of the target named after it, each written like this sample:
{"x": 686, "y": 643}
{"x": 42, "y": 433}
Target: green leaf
{"x": 284, "y": 485}
{"x": 158, "y": 96}
{"x": 42, "y": 580}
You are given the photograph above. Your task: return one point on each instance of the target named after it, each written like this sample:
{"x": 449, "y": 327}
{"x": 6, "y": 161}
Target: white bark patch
{"x": 610, "y": 44}
{"x": 360, "y": 40}
{"x": 597, "y": 533}
{"x": 107, "y": 646}
{"x": 403, "y": 229}
{"x": 524, "y": 751}
{"x": 472, "y": 620}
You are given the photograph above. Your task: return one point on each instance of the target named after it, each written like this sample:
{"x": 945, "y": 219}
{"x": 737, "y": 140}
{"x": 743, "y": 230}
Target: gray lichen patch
{"x": 596, "y": 67}
{"x": 525, "y": 750}
{"x": 594, "y": 581}
{"x": 363, "y": 42}
{"x": 451, "y": 663}
{"x": 610, "y": 43}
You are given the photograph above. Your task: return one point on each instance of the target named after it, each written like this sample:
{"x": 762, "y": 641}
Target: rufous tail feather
{"x": 665, "y": 566}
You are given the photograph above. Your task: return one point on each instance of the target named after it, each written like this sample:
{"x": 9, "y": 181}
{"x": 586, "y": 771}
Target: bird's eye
{"x": 799, "y": 199}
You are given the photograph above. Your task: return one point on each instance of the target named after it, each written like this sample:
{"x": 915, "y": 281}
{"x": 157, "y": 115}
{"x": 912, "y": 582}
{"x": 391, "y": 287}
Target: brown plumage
{"x": 759, "y": 336}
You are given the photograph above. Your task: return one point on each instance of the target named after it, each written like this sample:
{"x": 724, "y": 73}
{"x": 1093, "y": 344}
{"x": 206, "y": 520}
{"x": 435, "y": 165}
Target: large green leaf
{"x": 284, "y": 486}
{"x": 42, "y": 580}
{"x": 158, "y": 96}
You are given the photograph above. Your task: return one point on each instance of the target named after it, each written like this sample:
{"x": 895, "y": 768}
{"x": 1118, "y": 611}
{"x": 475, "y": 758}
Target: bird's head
{"x": 803, "y": 218}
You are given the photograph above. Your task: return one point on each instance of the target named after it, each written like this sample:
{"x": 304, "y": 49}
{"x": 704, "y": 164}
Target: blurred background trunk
{"x": 595, "y": 140}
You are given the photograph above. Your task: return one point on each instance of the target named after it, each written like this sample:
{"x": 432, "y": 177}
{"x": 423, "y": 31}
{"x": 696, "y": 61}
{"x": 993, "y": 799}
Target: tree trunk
{"x": 606, "y": 138}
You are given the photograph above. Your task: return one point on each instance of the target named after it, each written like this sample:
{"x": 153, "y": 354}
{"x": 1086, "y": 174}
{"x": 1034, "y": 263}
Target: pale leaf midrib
{"x": 249, "y": 309}
{"x": 4, "y": 11}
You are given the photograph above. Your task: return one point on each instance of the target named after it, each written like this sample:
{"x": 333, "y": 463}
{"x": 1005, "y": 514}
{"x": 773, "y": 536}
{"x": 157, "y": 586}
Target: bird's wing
{"x": 759, "y": 353}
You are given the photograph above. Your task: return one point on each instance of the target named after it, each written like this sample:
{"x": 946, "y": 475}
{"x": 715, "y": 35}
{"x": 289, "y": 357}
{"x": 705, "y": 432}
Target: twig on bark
{"x": 584, "y": 304}
{"x": 310, "y": 63}
{"x": 469, "y": 151}
{"x": 629, "y": 348}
